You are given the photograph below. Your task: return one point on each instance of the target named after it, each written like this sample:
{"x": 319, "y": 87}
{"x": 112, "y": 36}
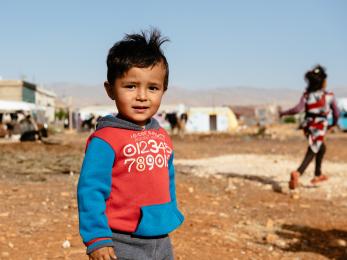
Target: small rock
{"x": 295, "y": 196}
{"x": 230, "y": 187}
{"x": 4, "y": 214}
{"x": 267, "y": 187}
{"x": 66, "y": 244}
{"x": 271, "y": 238}
{"x": 328, "y": 196}
{"x": 5, "y": 254}
{"x": 281, "y": 243}
{"x": 340, "y": 242}
{"x": 295, "y": 240}
{"x": 269, "y": 224}
{"x": 223, "y": 215}
{"x": 305, "y": 206}
{"x": 191, "y": 189}
{"x": 215, "y": 203}
{"x": 64, "y": 194}
{"x": 10, "y": 245}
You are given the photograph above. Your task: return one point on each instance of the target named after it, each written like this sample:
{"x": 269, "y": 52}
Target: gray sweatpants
{"x": 129, "y": 247}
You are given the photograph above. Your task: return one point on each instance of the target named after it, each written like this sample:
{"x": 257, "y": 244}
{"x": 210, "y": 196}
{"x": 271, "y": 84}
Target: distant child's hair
{"x": 315, "y": 78}
{"x": 141, "y": 50}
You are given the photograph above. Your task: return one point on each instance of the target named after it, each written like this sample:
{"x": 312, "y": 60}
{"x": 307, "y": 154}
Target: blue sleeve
{"x": 93, "y": 189}
{"x": 172, "y": 179}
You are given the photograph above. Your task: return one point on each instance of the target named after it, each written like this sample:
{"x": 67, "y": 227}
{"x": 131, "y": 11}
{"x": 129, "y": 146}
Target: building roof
{"x": 46, "y": 92}
{"x": 16, "y": 83}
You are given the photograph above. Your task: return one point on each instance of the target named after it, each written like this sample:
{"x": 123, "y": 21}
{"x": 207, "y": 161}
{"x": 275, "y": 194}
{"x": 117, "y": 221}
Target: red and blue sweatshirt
{"x": 127, "y": 183}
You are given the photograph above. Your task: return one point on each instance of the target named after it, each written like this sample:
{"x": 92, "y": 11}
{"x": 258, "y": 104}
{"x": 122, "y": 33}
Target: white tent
{"x": 342, "y": 104}
{"x": 12, "y": 106}
{"x": 211, "y": 119}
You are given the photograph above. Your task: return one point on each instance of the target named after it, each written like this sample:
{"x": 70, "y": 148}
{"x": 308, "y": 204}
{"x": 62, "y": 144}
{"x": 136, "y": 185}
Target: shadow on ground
{"x": 276, "y": 187}
{"x": 329, "y": 243}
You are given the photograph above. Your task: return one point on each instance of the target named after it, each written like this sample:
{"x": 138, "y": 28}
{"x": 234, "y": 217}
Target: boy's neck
{"x": 124, "y": 118}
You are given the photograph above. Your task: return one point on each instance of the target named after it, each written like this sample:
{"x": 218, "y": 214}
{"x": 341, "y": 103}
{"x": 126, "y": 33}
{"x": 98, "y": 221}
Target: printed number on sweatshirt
{"x": 146, "y": 155}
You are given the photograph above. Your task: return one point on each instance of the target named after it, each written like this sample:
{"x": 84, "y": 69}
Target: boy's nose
{"x": 141, "y": 95}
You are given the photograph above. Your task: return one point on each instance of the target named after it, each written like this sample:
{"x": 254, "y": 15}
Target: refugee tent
{"x": 10, "y": 106}
{"x": 342, "y": 104}
{"x": 14, "y": 106}
{"x": 211, "y": 119}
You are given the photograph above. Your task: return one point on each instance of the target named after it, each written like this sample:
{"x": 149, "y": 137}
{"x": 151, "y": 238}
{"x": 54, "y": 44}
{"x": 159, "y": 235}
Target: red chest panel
{"x": 140, "y": 175}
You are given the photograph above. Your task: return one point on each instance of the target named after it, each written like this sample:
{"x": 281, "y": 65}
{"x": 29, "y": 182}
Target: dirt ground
{"x": 226, "y": 217}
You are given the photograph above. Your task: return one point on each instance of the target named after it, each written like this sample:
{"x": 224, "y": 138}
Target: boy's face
{"x": 138, "y": 93}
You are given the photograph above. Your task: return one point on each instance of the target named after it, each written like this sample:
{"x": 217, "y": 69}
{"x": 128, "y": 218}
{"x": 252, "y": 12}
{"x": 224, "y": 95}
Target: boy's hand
{"x": 104, "y": 253}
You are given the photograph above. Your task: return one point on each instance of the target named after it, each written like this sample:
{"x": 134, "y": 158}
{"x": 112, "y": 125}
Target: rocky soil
{"x": 232, "y": 190}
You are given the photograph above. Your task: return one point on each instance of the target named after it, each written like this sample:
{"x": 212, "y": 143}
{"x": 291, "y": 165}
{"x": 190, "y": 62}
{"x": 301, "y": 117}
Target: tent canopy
{"x": 12, "y": 106}
{"x": 342, "y": 104}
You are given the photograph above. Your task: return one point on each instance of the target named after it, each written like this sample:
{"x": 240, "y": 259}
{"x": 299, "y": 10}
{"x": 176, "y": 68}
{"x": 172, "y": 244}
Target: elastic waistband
{"x": 136, "y": 236}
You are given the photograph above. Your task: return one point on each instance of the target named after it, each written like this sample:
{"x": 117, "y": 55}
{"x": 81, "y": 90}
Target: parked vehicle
{"x": 342, "y": 105}
{"x": 343, "y": 121}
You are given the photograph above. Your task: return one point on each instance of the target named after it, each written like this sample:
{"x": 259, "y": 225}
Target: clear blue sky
{"x": 213, "y": 43}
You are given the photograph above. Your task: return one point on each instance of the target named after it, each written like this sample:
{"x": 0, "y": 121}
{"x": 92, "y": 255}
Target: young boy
{"x": 126, "y": 191}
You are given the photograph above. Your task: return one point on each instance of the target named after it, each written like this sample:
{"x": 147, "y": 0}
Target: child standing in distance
{"x": 317, "y": 103}
{"x": 126, "y": 191}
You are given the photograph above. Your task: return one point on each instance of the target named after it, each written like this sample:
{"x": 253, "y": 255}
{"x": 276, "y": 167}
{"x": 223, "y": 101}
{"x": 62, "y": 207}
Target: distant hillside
{"x": 95, "y": 95}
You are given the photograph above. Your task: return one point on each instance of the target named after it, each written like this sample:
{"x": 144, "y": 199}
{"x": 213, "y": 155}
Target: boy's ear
{"x": 109, "y": 90}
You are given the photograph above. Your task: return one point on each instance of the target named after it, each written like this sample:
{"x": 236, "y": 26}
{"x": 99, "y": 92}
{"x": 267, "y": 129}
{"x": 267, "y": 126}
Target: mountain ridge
{"x": 84, "y": 95}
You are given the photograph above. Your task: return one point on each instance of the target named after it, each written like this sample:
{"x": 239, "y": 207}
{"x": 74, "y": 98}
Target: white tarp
{"x": 342, "y": 104}
{"x": 11, "y": 106}
{"x": 38, "y": 112}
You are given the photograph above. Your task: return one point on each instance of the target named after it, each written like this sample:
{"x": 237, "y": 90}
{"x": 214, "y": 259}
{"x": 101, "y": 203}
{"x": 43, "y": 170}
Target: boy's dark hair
{"x": 136, "y": 50}
{"x": 315, "y": 78}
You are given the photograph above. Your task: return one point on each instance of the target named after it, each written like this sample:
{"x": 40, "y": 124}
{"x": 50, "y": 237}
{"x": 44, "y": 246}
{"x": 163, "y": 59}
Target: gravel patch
{"x": 271, "y": 171}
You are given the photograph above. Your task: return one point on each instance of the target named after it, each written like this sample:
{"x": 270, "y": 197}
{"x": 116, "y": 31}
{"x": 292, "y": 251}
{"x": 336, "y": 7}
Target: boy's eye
{"x": 153, "y": 88}
{"x": 130, "y": 86}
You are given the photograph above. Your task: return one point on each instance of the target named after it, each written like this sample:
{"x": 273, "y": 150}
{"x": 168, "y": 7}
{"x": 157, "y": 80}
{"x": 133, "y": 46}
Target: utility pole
{"x": 70, "y": 112}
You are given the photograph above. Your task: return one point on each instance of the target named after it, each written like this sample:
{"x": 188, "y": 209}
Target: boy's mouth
{"x": 140, "y": 109}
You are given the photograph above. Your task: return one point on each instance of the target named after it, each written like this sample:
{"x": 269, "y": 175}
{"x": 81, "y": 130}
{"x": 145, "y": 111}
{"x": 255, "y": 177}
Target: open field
{"x": 232, "y": 190}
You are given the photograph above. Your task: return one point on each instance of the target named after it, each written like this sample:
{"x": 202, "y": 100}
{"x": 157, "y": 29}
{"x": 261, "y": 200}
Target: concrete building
{"x": 45, "y": 98}
{"x": 17, "y": 90}
{"x": 23, "y": 91}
